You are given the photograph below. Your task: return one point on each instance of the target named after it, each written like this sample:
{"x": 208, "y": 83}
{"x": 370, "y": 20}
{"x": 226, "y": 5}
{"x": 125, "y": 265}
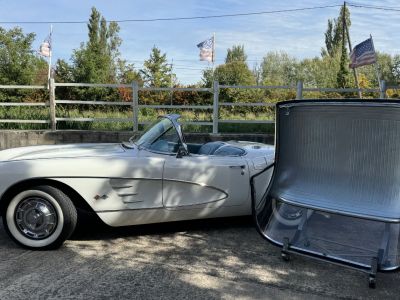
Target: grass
{"x": 145, "y": 115}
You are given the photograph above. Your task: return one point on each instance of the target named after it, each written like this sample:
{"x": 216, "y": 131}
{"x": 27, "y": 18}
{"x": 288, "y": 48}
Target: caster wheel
{"x": 372, "y": 282}
{"x": 285, "y": 256}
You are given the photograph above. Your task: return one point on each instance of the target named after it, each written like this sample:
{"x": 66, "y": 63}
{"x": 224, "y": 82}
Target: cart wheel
{"x": 285, "y": 256}
{"x": 372, "y": 282}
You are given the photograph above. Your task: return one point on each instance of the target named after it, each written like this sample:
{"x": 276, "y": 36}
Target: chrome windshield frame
{"x": 173, "y": 118}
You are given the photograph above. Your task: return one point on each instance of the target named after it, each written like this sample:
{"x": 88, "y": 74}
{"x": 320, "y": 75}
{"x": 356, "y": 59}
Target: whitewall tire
{"x": 41, "y": 217}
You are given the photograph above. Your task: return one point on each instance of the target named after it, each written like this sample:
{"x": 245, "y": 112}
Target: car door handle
{"x": 242, "y": 167}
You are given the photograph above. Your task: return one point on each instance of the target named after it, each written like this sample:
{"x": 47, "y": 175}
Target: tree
{"x": 334, "y": 33}
{"x": 18, "y": 64}
{"x": 236, "y": 53}
{"x": 343, "y": 73}
{"x": 234, "y": 71}
{"x": 336, "y": 41}
{"x": 96, "y": 60}
{"x": 63, "y": 71}
{"x": 127, "y": 73}
{"x": 207, "y": 78}
{"x": 157, "y": 71}
{"x": 278, "y": 68}
{"x": 318, "y": 71}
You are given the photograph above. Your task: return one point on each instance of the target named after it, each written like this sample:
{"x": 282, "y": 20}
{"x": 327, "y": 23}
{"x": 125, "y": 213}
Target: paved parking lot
{"x": 205, "y": 259}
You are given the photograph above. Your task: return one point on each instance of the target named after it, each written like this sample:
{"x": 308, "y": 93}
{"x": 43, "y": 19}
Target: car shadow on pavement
{"x": 90, "y": 227}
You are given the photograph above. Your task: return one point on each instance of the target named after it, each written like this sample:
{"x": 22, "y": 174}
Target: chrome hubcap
{"x": 36, "y": 218}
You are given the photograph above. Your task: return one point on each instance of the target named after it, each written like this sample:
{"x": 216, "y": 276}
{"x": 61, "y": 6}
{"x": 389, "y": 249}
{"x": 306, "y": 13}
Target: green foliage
{"x": 127, "y": 73}
{"x": 234, "y": 73}
{"x": 18, "y": 64}
{"x": 95, "y": 60}
{"x": 343, "y": 74}
{"x": 64, "y": 72}
{"x": 236, "y": 53}
{"x": 319, "y": 72}
{"x": 278, "y": 68}
{"x": 208, "y": 77}
{"x": 334, "y": 33}
{"x": 157, "y": 71}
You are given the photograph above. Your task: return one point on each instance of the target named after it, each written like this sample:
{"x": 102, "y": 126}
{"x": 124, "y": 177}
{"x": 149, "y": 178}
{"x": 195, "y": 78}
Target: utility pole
{"x": 346, "y": 30}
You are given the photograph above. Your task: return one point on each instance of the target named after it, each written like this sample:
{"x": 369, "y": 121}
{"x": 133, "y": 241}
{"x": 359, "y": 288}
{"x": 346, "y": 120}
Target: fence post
{"x": 215, "y": 106}
{"x": 299, "y": 90}
{"x": 52, "y": 90}
{"x": 135, "y": 105}
{"x": 383, "y": 89}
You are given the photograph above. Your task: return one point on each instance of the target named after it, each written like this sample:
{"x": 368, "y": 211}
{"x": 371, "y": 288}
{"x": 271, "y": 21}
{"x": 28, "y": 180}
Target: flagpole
{"x": 50, "y": 54}
{"x": 213, "y": 50}
{"x": 376, "y": 63}
{"x": 213, "y": 56}
{"x": 346, "y": 29}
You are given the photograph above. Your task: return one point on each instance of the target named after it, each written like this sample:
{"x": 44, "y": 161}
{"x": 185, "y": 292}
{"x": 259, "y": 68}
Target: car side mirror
{"x": 182, "y": 151}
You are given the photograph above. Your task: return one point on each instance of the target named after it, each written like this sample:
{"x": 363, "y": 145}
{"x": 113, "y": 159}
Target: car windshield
{"x": 160, "y": 136}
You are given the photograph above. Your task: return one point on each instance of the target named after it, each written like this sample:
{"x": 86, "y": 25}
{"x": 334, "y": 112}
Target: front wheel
{"x": 41, "y": 217}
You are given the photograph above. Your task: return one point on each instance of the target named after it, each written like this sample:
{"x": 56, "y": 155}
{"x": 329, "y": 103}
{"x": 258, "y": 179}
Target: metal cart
{"x": 335, "y": 188}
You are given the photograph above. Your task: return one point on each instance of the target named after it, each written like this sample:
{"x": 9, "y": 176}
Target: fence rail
{"x": 136, "y": 106}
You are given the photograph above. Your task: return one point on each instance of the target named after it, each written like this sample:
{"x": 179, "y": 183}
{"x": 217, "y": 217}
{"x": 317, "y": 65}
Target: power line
{"x": 180, "y": 18}
{"x": 388, "y": 8}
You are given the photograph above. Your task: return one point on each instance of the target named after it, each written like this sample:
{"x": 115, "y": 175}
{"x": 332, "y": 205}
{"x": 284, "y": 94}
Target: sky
{"x": 301, "y": 33}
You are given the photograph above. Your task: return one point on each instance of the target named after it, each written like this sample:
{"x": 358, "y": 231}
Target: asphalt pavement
{"x": 207, "y": 259}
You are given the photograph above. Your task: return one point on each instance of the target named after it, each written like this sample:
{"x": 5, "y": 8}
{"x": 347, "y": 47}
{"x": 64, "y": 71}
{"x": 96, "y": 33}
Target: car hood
{"x": 61, "y": 151}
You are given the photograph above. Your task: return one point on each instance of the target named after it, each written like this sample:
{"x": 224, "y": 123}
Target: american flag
{"x": 363, "y": 54}
{"x": 45, "y": 47}
{"x": 207, "y": 50}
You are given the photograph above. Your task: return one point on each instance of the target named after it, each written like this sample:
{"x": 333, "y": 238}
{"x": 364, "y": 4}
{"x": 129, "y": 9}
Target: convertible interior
{"x": 166, "y": 138}
{"x": 215, "y": 148}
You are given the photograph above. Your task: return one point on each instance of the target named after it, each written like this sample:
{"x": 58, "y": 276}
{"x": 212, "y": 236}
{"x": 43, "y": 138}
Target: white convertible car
{"x": 157, "y": 178}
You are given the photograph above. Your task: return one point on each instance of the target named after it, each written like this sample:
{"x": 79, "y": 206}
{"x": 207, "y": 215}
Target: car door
{"x": 205, "y": 181}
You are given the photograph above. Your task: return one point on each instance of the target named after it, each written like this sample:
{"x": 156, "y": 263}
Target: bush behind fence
{"x": 124, "y": 107}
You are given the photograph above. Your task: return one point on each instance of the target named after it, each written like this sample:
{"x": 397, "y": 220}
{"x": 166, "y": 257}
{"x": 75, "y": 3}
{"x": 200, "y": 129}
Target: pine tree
{"x": 157, "y": 71}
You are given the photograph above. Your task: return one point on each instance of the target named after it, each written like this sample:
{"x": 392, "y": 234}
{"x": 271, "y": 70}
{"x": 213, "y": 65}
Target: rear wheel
{"x": 41, "y": 217}
{"x": 287, "y": 214}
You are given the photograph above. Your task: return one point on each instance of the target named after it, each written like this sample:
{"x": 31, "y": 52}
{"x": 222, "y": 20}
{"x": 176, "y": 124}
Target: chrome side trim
{"x": 122, "y": 187}
{"x": 127, "y": 209}
{"x": 133, "y": 201}
{"x": 126, "y": 195}
{"x": 198, "y": 183}
{"x": 193, "y": 205}
{"x": 226, "y": 195}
